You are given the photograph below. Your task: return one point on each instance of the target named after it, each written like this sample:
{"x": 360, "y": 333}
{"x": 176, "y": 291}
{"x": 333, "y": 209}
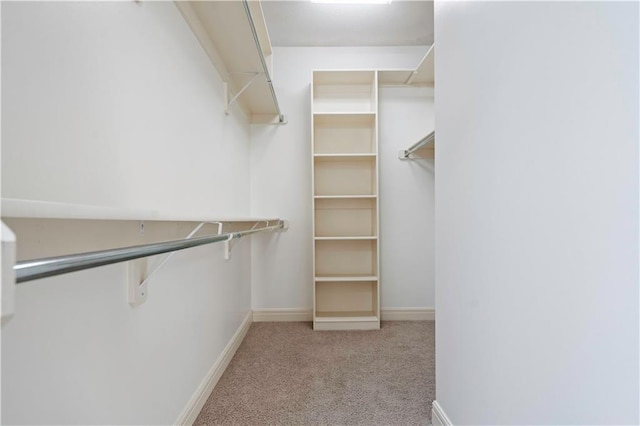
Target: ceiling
{"x": 302, "y": 23}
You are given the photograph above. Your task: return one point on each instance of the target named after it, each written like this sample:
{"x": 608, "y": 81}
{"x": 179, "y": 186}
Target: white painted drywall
{"x": 537, "y": 212}
{"x": 116, "y": 104}
{"x": 281, "y": 180}
{"x": 76, "y": 352}
{"x": 407, "y": 231}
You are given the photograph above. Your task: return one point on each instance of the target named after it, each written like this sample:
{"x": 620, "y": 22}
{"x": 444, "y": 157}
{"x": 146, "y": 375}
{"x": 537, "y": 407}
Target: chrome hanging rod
{"x": 422, "y": 142}
{"x": 29, "y": 270}
{"x": 245, "y": 3}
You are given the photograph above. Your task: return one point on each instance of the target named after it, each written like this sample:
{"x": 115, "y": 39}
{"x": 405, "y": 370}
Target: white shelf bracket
{"x": 229, "y": 102}
{"x": 139, "y": 277}
{"x": 8, "y": 254}
{"x": 227, "y": 250}
{"x": 136, "y": 270}
{"x": 403, "y": 154}
{"x": 285, "y": 226}
{"x": 228, "y": 245}
{"x": 412, "y": 77}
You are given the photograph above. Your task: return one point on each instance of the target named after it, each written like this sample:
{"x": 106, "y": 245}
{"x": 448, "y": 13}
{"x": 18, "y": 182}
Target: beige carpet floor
{"x": 287, "y": 374}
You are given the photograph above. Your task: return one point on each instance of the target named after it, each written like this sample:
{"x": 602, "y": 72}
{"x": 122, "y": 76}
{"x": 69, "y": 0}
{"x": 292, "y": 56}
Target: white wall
{"x": 407, "y": 231}
{"x": 537, "y": 212}
{"x": 77, "y": 353}
{"x": 281, "y": 179}
{"x": 116, "y": 104}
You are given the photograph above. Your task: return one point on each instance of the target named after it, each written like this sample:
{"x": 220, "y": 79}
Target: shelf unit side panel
{"x": 377, "y": 206}
{"x": 313, "y": 200}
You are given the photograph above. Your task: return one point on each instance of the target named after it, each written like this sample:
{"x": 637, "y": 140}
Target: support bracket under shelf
{"x": 228, "y": 102}
{"x": 139, "y": 277}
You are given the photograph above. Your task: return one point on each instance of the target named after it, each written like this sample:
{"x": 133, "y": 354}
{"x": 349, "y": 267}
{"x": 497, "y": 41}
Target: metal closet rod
{"x": 29, "y": 270}
{"x": 422, "y": 142}
{"x": 265, "y": 69}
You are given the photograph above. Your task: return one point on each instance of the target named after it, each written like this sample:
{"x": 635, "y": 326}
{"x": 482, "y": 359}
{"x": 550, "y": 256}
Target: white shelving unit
{"x": 346, "y": 287}
{"x": 225, "y": 33}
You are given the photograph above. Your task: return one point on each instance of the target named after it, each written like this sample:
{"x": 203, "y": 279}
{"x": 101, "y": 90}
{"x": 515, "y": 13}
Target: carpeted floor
{"x": 285, "y": 373}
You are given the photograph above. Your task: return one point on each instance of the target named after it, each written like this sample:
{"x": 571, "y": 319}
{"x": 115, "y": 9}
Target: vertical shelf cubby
{"x": 344, "y": 136}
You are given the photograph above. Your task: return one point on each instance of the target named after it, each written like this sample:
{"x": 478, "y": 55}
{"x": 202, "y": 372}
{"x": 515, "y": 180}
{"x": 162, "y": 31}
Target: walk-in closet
{"x": 319, "y": 212}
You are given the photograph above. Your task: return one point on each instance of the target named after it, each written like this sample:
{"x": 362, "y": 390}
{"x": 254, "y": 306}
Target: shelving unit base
{"x": 341, "y": 323}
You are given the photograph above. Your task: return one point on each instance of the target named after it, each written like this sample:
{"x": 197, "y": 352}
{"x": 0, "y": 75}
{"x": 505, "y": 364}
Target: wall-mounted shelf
{"x": 346, "y": 278}
{"x": 365, "y": 238}
{"x": 423, "y": 75}
{"x": 241, "y": 51}
{"x": 34, "y": 209}
{"x": 424, "y": 148}
{"x": 108, "y": 235}
{"x": 327, "y": 197}
{"x": 343, "y": 156}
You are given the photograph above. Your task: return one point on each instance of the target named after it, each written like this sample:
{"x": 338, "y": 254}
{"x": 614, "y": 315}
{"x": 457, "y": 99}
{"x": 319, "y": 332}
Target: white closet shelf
{"x": 349, "y": 157}
{"x": 364, "y": 238}
{"x": 224, "y": 31}
{"x": 345, "y": 113}
{"x": 346, "y": 278}
{"x": 346, "y": 155}
{"x": 327, "y": 197}
{"x": 34, "y": 209}
{"x": 348, "y": 196}
{"x": 343, "y": 77}
{"x": 423, "y": 75}
{"x": 332, "y": 119}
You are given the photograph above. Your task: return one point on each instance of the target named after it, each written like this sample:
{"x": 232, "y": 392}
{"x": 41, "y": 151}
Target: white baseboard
{"x": 296, "y": 315}
{"x": 438, "y": 416}
{"x": 200, "y": 396}
{"x": 282, "y": 315}
{"x": 408, "y": 314}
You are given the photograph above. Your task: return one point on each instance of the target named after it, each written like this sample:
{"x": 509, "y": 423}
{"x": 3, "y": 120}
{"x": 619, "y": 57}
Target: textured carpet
{"x": 285, "y": 373}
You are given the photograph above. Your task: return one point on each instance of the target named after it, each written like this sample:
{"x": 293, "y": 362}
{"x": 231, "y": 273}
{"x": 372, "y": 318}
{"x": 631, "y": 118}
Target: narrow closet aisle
{"x": 210, "y": 215}
{"x": 368, "y": 215}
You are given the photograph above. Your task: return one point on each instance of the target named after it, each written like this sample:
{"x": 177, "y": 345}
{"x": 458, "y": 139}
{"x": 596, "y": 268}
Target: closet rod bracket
{"x": 228, "y": 102}
{"x": 282, "y": 226}
{"x": 139, "y": 275}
